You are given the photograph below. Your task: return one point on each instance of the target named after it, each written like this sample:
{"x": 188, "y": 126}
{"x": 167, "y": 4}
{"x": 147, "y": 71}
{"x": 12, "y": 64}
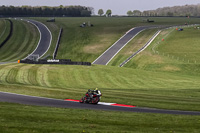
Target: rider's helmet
{"x": 96, "y": 90}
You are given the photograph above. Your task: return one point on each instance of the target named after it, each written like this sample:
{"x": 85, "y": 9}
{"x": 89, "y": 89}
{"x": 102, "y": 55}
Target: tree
{"x": 91, "y": 9}
{"x": 100, "y": 12}
{"x": 130, "y": 13}
{"x": 108, "y": 13}
{"x": 137, "y": 13}
{"x": 85, "y": 13}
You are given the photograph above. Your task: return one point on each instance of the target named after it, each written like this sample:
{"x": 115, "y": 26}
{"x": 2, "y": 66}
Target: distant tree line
{"x": 186, "y": 10}
{"x": 69, "y": 11}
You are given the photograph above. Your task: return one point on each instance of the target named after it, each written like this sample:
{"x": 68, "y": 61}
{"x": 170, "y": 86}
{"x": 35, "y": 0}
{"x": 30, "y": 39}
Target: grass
{"x": 128, "y": 86}
{"x": 4, "y": 29}
{"x": 23, "y": 41}
{"x": 86, "y": 44}
{"x": 53, "y": 120}
{"x": 187, "y": 48}
{"x": 149, "y": 80}
{"x": 178, "y": 53}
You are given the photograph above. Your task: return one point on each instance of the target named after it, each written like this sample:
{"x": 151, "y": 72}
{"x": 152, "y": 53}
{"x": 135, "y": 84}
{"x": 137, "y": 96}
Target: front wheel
{"x": 95, "y": 100}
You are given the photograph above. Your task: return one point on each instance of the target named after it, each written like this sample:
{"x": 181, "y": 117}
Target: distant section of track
{"x": 40, "y": 101}
{"x": 45, "y": 39}
{"x": 109, "y": 54}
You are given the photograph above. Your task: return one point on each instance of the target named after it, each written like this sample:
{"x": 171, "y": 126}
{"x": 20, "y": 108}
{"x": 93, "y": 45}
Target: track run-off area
{"x": 104, "y": 59}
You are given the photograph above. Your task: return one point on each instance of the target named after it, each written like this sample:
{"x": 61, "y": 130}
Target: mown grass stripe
{"x": 42, "y": 76}
{"x": 14, "y": 41}
{"x": 4, "y": 71}
{"x": 32, "y": 75}
{"x": 12, "y": 74}
{"x": 23, "y": 41}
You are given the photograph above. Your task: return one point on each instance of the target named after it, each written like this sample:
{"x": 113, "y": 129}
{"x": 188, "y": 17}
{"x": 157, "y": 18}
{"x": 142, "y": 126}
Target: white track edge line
{"x": 123, "y": 46}
{"x": 30, "y": 96}
{"x": 38, "y": 41}
{"x": 112, "y": 45}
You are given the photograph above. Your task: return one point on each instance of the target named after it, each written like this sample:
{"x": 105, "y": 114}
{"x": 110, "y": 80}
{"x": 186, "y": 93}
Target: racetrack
{"x": 45, "y": 39}
{"x": 41, "y": 49}
{"x": 109, "y": 54}
{"x": 40, "y": 101}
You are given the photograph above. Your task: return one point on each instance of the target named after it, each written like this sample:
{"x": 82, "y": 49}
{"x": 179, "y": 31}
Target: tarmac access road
{"x": 109, "y": 54}
{"x": 41, "y": 101}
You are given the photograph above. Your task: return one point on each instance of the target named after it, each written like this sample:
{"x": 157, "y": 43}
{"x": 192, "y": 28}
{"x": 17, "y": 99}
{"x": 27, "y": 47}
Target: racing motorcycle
{"x": 90, "y": 98}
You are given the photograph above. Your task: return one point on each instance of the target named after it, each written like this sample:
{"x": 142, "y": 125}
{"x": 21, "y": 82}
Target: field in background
{"x": 86, "y": 44}
{"x": 178, "y": 53}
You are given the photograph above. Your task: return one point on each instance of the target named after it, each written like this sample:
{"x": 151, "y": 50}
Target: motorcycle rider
{"x": 93, "y": 92}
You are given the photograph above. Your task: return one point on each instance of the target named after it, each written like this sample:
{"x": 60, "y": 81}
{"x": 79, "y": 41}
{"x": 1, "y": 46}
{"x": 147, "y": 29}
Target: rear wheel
{"x": 82, "y": 100}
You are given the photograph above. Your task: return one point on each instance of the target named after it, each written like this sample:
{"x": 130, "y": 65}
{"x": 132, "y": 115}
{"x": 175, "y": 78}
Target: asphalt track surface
{"x": 107, "y": 56}
{"x": 41, "y": 101}
{"x": 45, "y": 39}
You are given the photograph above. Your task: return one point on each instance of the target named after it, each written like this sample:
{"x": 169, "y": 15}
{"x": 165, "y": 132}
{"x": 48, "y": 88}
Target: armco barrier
{"x": 10, "y": 33}
{"x": 54, "y": 61}
{"x": 57, "y": 44}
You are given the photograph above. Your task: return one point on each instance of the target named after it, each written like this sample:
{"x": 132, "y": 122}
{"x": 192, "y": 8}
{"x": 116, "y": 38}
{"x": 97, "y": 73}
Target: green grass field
{"x": 86, "y": 44}
{"x": 22, "y": 119}
{"x": 4, "y": 29}
{"x": 128, "y": 86}
{"x": 148, "y": 80}
{"x": 23, "y": 41}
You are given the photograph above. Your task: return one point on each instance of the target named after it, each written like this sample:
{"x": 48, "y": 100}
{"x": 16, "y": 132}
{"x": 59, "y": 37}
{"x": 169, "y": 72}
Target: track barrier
{"x": 57, "y": 44}
{"x": 54, "y": 61}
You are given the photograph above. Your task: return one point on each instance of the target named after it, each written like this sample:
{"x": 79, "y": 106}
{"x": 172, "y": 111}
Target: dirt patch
{"x": 152, "y": 58}
{"x": 104, "y": 42}
{"x": 164, "y": 32}
{"x": 171, "y": 68}
{"x": 97, "y": 48}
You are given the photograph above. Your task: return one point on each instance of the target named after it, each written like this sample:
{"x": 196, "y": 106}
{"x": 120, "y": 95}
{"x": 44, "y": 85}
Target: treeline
{"x": 68, "y": 11}
{"x": 186, "y": 10}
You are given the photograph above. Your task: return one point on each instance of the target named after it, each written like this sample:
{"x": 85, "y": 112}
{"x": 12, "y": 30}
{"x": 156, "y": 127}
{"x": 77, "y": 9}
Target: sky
{"x": 118, "y": 7}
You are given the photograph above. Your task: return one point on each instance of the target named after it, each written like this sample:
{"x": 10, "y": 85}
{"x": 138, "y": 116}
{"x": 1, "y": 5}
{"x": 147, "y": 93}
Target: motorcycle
{"x": 90, "y": 98}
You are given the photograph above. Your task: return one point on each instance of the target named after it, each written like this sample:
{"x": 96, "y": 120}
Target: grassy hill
{"x": 86, "y": 44}
{"x": 151, "y": 79}
{"x": 4, "y": 30}
{"x": 23, "y": 41}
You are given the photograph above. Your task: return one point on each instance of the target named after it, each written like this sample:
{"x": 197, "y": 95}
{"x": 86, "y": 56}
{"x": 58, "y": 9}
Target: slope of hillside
{"x": 121, "y": 85}
{"x": 4, "y": 30}
{"x": 178, "y": 53}
{"x": 23, "y": 41}
{"x": 148, "y": 80}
